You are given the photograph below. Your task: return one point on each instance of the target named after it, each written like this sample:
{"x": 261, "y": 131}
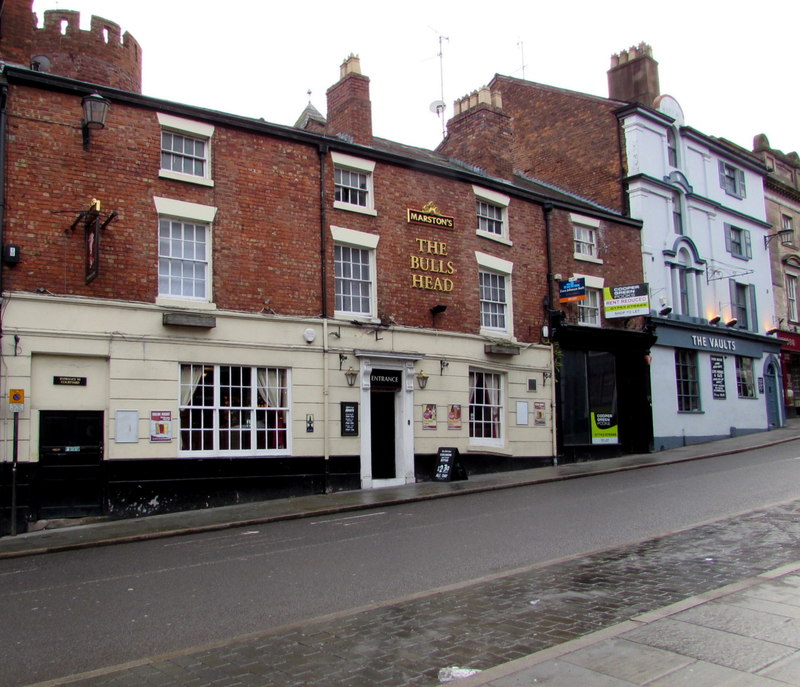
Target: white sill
{"x": 587, "y": 258}
{"x": 178, "y": 176}
{"x": 493, "y": 237}
{"x": 173, "y": 302}
{"x": 339, "y": 205}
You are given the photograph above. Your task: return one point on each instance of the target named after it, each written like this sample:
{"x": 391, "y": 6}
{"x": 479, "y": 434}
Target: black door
{"x": 382, "y": 426}
{"x": 69, "y": 482}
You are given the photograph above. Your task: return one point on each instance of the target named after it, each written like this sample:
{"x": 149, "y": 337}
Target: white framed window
{"x": 589, "y": 308}
{"x": 787, "y": 226}
{"x": 737, "y": 242}
{"x": 745, "y": 377}
{"x": 585, "y": 232}
{"x": 494, "y": 282}
{"x": 353, "y": 184}
{"x": 731, "y": 180}
{"x": 234, "y": 410}
{"x": 672, "y": 148}
{"x": 185, "y": 149}
{"x": 354, "y": 272}
{"x": 184, "y": 250}
{"x": 687, "y": 380}
{"x": 491, "y": 211}
{"x": 677, "y": 214}
{"x": 791, "y": 297}
{"x": 485, "y": 408}
{"x": 743, "y": 305}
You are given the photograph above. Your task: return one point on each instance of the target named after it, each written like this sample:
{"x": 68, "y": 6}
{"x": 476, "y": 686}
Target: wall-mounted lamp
{"x": 95, "y": 109}
{"x": 770, "y": 332}
{"x": 351, "y": 376}
{"x": 342, "y": 358}
{"x": 783, "y": 233}
{"x": 546, "y": 374}
{"x": 732, "y": 322}
{"x": 664, "y": 311}
{"x": 715, "y": 320}
{"x": 443, "y": 364}
{"x": 422, "y": 379}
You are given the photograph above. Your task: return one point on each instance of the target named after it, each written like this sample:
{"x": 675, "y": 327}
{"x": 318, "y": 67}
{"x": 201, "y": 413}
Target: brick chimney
{"x": 633, "y": 76}
{"x": 349, "y": 107}
{"x": 481, "y": 134}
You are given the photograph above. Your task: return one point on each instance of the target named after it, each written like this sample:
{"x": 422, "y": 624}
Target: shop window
{"x": 686, "y": 379}
{"x": 745, "y": 377}
{"x": 231, "y": 410}
{"x": 485, "y": 407}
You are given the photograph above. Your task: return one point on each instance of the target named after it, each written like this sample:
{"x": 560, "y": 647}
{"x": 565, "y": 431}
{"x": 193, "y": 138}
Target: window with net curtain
{"x": 227, "y": 409}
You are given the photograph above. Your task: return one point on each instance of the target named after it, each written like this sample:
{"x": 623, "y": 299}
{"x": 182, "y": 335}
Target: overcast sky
{"x": 731, "y": 64}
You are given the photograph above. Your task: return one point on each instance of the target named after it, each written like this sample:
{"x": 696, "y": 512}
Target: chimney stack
{"x": 633, "y": 76}
{"x": 349, "y": 106}
{"x": 481, "y": 134}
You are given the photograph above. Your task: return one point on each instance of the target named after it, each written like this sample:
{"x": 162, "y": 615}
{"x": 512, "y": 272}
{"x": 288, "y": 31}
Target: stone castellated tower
{"x": 101, "y": 55}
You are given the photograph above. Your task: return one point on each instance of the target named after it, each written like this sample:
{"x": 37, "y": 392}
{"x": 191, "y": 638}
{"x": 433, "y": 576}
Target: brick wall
{"x": 266, "y": 235}
{"x": 565, "y": 138}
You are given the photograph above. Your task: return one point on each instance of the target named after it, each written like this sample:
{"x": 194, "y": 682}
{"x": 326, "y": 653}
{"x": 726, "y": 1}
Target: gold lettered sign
{"x": 430, "y": 216}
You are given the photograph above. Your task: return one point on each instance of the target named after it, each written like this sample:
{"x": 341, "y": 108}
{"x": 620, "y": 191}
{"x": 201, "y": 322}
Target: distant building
{"x": 782, "y": 191}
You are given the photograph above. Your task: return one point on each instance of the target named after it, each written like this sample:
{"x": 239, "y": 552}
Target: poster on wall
{"x": 160, "y": 425}
{"x": 538, "y": 413}
{"x": 454, "y": 416}
{"x": 604, "y": 428}
{"x": 429, "y": 416}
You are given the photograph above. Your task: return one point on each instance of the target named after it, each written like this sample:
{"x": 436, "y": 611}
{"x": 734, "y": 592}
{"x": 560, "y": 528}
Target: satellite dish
{"x": 437, "y": 107}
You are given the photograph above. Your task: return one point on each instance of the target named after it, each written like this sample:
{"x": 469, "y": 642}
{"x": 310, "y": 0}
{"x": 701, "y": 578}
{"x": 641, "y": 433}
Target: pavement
{"x": 715, "y": 605}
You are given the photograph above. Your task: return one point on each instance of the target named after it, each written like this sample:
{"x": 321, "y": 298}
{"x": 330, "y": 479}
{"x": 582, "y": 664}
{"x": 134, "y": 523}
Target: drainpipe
{"x": 547, "y": 209}
{"x": 322, "y": 150}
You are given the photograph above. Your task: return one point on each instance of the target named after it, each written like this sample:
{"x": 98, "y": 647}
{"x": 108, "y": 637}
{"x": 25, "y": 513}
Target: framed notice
{"x": 429, "y": 416}
{"x": 454, "y": 416}
{"x": 348, "y": 419}
{"x": 718, "y": 376}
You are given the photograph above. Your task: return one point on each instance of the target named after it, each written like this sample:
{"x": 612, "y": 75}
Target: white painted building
{"x": 715, "y": 371}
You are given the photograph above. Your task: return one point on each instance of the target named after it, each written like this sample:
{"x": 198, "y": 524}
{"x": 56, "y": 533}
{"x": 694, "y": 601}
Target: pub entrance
{"x": 70, "y": 478}
{"x": 382, "y": 424}
{"x": 388, "y": 443}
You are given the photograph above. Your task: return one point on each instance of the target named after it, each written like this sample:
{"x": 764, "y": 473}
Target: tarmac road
{"x": 79, "y": 611}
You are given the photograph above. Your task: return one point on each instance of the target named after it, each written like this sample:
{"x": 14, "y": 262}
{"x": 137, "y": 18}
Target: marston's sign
{"x": 431, "y": 216}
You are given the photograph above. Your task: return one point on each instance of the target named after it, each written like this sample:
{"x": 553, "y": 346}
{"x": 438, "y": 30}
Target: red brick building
{"x": 202, "y": 308}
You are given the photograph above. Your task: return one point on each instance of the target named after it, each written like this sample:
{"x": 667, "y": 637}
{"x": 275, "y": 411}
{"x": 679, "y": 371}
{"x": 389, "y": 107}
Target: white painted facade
{"x": 704, "y": 256}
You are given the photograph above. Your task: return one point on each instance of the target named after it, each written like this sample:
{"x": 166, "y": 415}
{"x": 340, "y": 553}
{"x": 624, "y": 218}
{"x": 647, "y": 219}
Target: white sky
{"x": 731, "y": 64}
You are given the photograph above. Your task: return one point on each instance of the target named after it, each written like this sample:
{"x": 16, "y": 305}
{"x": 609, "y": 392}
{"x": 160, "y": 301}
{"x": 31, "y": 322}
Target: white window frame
{"x": 494, "y": 407}
{"x": 490, "y": 265}
{"x": 359, "y": 240}
{"x": 269, "y": 392}
{"x": 189, "y": 129}
{"x": 194, "y": 213}
{"x": 791, "y": 297}
{"x": 359, "y": 165}
{"x": 745, "y": 377}
{"x": 500, "y": 202}
{"x": 589, "y": 308}
{"x": 787, "y": 225}
{"x": 585, "y": 235}
{"x": 731, "y": 180}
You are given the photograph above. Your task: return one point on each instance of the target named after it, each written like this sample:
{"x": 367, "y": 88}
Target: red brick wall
{"x": 482, "y": 136}
{"x": 565, "y": 138}
{"x": 266, "y": 235}
{"x": 349, "y": 108}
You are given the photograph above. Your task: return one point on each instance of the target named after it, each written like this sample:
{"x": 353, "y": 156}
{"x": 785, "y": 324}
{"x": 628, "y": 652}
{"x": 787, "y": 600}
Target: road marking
{"x": 336, "y": 521}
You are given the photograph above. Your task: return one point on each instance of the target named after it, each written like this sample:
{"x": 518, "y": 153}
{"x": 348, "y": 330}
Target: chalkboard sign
{"x": 718, "y": 376}
{"x": 349, "y": 419}
{"x": 448, "y": 466}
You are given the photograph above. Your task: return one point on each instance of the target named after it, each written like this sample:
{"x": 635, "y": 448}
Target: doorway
{"x": 383, "y": 439}
{"x": 70, "y": 476}
{"x": 772, "y": 393}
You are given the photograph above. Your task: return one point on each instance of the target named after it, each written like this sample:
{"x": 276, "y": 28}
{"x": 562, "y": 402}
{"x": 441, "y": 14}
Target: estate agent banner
{"x": 626, "y": 301}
